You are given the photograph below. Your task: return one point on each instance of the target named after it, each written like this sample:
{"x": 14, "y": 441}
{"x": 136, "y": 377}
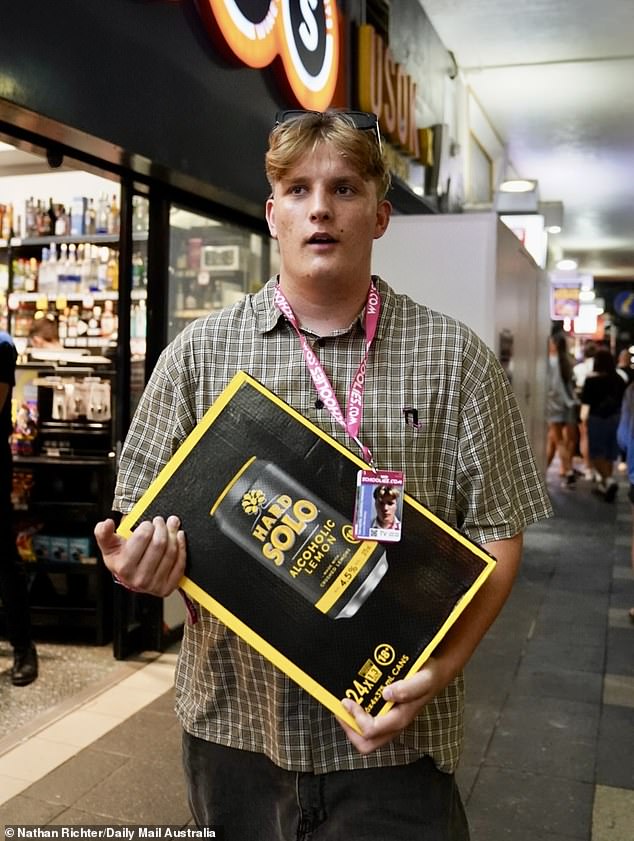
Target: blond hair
{"x": 290, "y": 141}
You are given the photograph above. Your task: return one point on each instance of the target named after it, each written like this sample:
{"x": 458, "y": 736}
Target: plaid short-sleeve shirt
{"x": 467, "y": 459}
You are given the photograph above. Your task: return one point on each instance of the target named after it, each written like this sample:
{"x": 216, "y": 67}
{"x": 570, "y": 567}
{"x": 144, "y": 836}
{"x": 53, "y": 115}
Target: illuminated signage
{"x": 303, "y": 33}
{"x": 387, "y": 90}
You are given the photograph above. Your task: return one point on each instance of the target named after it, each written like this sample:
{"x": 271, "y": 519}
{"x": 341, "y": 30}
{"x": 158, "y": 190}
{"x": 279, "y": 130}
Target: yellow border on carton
{"x": 233, "y": 622}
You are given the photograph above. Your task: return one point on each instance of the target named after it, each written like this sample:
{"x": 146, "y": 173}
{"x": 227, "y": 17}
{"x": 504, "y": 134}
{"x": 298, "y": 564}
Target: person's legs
{"x": 551, "y": 443}
{"x": 242, "y": 792}
{"x": 604, "y": 452}
{"x": 414, "y": 802}
{"x": 254, "y": 800}
{"x": 13, "y": 586}
{"x": 561, "y": 440}
{"x": 583, "y": 449}
{"x": 571, "y": 440}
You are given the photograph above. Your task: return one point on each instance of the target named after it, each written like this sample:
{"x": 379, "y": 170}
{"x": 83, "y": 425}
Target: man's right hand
{"x": 151, "y": 561}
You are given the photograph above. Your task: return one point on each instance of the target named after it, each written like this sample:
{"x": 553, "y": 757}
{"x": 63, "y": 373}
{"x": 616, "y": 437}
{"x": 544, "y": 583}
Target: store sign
{"x": 304, "y": 34}
{"x": 389, "y": 92}
{"x": 564, "y": 299}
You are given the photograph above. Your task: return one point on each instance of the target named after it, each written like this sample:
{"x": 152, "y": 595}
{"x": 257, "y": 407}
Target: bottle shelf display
{"x": 63, "y": 480}
{"x": 63, "y": 264}
{"x": 83, "y": 216}
{"x": 73, "y": 284}
{"x": 212, "y": 265}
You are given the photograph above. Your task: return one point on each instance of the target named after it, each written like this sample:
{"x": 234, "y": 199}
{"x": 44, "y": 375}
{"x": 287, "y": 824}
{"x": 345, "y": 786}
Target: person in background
{"x": 580, "y": 372}
{"x": 584, "y": 368}
{"x": 262, "y": 757}
{"x": 13, "y": 586}
{"x": 562, "y": 409}
{"x": 43, "y": 332}
{"x": 624, "y": 366}
{"x": 602, "y": 393}
{"x": 625, "y": 440}
{"x": 626, "y": 372}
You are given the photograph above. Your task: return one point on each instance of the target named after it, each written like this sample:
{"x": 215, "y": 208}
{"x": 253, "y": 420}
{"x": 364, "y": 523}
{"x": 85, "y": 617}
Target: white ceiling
{"x": 556, "y": 79}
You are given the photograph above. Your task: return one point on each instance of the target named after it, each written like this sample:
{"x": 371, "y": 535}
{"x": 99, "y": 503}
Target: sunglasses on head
{"x": 362, "y": 120}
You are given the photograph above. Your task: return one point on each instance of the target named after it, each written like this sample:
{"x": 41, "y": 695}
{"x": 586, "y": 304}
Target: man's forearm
{"x": 466, "y": 634}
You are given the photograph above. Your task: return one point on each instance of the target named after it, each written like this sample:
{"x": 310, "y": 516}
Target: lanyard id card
{"x": 378, "y": 513}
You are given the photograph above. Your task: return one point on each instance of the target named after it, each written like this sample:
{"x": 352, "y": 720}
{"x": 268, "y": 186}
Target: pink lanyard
{"x": 354, "y": 411}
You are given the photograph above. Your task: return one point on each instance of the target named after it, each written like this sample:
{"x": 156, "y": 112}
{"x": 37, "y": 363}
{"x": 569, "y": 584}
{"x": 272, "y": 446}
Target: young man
{"x": 13, "y": 588}
{"x": 262, "y": 757}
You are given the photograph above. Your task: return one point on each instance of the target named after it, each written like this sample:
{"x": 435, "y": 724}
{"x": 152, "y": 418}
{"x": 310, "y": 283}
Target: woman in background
{"x": 562, "y": 407}
{"x": 603, "y": 394}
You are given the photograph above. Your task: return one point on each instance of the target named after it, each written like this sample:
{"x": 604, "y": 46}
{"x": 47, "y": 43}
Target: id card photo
{"x": 379, "y": 506}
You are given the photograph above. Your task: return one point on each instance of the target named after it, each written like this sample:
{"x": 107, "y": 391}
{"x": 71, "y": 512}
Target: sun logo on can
{"x": 303, "y": 33}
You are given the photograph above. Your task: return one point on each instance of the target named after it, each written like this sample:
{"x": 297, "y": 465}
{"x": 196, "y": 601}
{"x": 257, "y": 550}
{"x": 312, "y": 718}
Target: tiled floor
{"x": 66, "y": 671}
{"x": 52, "y": 742}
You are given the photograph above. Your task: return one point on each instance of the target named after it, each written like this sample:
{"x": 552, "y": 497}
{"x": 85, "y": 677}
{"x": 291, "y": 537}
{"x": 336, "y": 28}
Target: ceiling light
{"x": 518, "y": 195}
{"x": 567, "y": 265}
{"x": 518, "y": 185}
{"x": 553, "y": 213}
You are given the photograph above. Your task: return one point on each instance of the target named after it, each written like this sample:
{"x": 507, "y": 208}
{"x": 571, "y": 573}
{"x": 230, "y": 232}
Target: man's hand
{"x": 409, "y": 697}
{"x": 151, "y": 561}
{"x": 411, "y": 694}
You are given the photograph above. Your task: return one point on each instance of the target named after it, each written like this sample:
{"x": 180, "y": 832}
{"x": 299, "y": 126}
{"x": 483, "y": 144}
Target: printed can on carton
{"x": 300, "y": 538}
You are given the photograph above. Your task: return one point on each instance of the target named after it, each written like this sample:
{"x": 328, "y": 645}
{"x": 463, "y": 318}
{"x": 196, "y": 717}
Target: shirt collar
{"x": 268, "y": 316}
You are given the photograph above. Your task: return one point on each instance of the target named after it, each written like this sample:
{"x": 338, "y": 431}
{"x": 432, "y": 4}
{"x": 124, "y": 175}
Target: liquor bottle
{"x": 7, "y": 222}
{"x": 62, "y": 324}
{"x": 39, "y": 219}
{"x": 140, "y": 320}
{"x": 108, "y": 319}
{"x": 73, "y": 321}
{"x": 113, "y": 216}
{"x": 42, "y": 273}
{"x": 52, "y": 268}
{"x": 30, "y": 277}
{"x": 72, "y": 273}
{"x": 139, "y": 279}
{"x": 113, "y": 271}
{"x": 90, "y": 222}
{"x": 102, "y": 215}
{"x": 93, "y": 268}
{"x": 62, "y": 271}
{"x": 139, "y": 214}
{"x": 29, "y": 218}
{"x": 17, "y": 266}
{"x": 53, "y": 211}
{"x": 94, "y": 323}
{"x": 61, "y": 222}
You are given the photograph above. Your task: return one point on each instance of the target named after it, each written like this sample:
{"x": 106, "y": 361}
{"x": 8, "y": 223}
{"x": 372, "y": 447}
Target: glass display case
{"x": 212, "y": 264}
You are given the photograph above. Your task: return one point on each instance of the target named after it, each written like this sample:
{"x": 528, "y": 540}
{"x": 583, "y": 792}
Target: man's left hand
{"x": 409, "y": 697}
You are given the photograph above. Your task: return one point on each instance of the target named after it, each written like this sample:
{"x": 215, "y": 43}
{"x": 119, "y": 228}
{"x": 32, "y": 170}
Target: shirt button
{"x": 319, "y": 404}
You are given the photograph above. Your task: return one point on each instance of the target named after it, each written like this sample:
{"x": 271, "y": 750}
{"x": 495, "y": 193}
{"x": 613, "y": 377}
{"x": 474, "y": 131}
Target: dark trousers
{"x": 249, "y": 798}
{"x": 13, "y": 585}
